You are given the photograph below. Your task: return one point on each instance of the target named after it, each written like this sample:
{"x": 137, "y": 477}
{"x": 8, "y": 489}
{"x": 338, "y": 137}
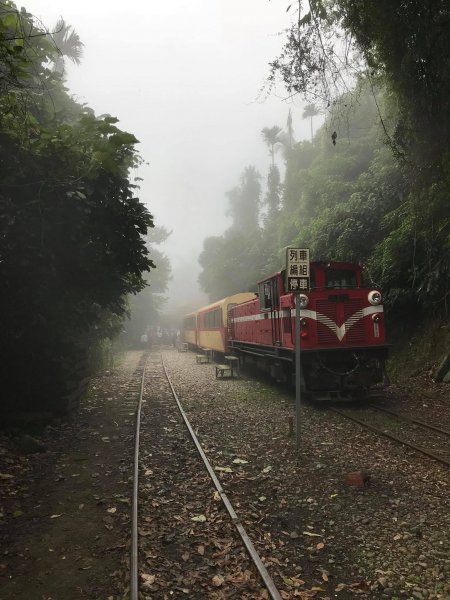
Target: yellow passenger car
{"x": 212, "y": 325}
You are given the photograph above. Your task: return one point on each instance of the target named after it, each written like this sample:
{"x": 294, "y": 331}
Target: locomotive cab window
{"x": 340, "y": 278}
{"x": 265, "y": 295}
{"x": 269, "y": 297}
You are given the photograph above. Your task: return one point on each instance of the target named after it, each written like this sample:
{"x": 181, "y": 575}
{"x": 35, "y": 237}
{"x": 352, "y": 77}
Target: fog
{"x": 185, "y": 78}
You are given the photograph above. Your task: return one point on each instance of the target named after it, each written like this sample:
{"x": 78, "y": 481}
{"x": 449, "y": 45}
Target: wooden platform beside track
{"x": 222, "y": 370}
{"x": 201, "y": 359}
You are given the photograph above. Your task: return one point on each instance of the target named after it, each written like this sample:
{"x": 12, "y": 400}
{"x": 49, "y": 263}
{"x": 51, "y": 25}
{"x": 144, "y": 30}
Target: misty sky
{"x": 184, "y": 77}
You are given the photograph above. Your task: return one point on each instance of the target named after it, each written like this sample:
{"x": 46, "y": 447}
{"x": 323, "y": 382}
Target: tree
{"x": 273, "y": 194}
{"x": 309, "y": 112}
{"x": 67, "y": 43}
{"x": 232, "y": 261}
{"x": 244, "y": 201}
{"x": 338, "y": 51}
{"x": 290, "y": 129}
{"x": 144, "y": 307}
{"x": 271, "y": 137}
{"x": 71, "y": 226}
{"x": 402, "y": 45}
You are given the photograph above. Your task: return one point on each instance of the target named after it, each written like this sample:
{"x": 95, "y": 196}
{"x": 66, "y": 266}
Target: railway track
{"x": 404, "y": 429}
{"x": 183, "y": 544}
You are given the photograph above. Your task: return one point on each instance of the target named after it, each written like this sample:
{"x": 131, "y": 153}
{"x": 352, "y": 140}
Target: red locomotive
{"x": 342, "y": 331}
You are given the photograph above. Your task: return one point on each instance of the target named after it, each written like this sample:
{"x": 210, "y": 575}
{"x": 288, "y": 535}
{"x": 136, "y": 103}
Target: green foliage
{"x": 418, "y": 353}
{"x": 310, "y": 112}
{"x": 371, "y": 212}
{"x": 409, "y": 43}
{"x": 353, "y": 201}
{"x": 271, "y": 136}
{"x": 392, "y": 213}
{"x": 244, "y": 201}
{"x": 413, "y": 260}
{"x": 380, "y": 192}
{"x": 273, "y": 196}
{"x": 71, "y": 226}
{"x": 231, "y": 263}
{"x": 404, "y": 46}
{"x": 144, "y": 308}
{"x": 67, "y": 43}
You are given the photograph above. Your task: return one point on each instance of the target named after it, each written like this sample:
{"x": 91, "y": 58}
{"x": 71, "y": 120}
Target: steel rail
{"x": 411, "y": 419}
{"x": 268, "y": 581}
{"x": 392, "y": 437}
{"x": 134, "y": 576}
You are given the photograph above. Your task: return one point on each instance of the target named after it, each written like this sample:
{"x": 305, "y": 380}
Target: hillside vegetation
{"x": 72, "y": 228}
{"x": 373, "y": 184}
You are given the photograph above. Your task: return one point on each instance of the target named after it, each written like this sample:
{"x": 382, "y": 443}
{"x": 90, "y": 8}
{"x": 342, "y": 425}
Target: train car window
{"x": 265, "y": 295}
{"x": 189, "y": 323}
{"x": 340, "y": 278}
{"x": 212, "y": 319}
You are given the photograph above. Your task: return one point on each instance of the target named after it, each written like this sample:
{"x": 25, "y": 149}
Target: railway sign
{"x": 297, "y": 270}
{"x": 297, "y": 281}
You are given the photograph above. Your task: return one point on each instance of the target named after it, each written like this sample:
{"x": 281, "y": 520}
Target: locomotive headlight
{"x": 374, "y": 297}
{"x": 303, "y": 300}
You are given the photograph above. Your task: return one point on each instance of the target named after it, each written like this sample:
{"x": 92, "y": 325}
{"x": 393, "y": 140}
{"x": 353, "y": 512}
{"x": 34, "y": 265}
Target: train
{"x": 342, "y": 330}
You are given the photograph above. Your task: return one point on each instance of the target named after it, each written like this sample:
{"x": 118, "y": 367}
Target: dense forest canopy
{"x": 72, "y": 228}
{"x": 373, "y": 185}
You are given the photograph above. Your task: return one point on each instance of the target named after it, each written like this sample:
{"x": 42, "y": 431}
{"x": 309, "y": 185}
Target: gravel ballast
{"x": 65, "y": 511}
{"x": 388, "y": 539}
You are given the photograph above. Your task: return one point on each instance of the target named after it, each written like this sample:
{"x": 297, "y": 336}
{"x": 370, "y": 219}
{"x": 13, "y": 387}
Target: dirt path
{"x": 65, "y": 512}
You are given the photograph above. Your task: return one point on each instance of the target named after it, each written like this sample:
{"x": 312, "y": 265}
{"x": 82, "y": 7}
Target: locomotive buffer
{"x": 297, "y": 281}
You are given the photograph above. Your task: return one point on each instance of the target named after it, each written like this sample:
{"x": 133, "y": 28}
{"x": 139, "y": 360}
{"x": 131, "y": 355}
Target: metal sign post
{"x": 297, "y": 374}
{"x": 297, "y": 281}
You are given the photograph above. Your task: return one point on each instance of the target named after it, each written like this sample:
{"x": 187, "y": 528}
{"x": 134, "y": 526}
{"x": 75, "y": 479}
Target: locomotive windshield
{"x": 340, "y": 278}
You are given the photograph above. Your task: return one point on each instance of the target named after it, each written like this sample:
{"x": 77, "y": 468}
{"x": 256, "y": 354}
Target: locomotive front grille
{"x": 326, "y": 318}
{"x": 353, "y": 315}
{"x": 350, "y": 312}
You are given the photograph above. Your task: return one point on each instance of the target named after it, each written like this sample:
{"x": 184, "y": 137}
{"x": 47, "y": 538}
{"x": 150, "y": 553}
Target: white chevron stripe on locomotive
{"x": 339, "y": 330}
